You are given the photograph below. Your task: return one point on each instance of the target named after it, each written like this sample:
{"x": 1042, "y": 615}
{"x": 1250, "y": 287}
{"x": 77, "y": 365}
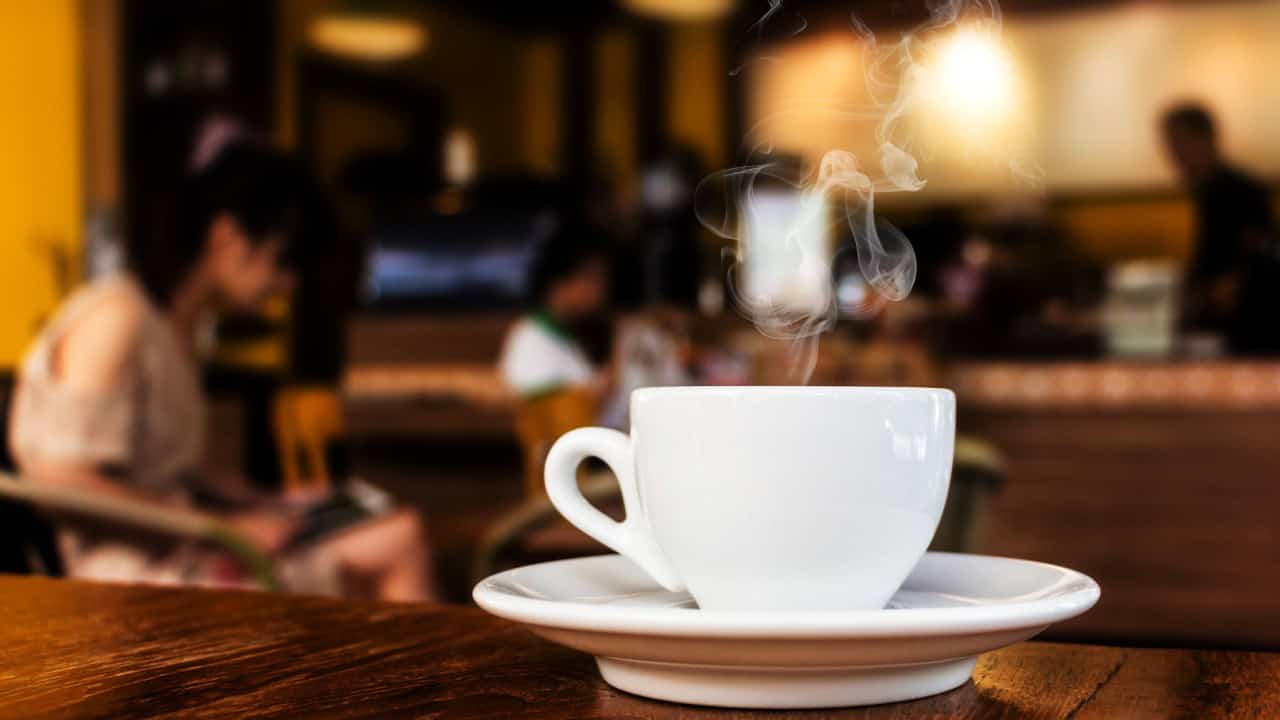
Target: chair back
{"x": 309, "y": 432}
{"x": 541, "y": 420}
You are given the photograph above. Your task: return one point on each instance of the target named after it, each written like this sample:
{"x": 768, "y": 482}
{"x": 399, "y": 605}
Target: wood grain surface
{"x": 72, "y": 650}
{"x": 1172, "y": 512}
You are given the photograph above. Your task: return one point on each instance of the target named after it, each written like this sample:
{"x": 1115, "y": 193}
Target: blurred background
{"x": 1096, "y": 273}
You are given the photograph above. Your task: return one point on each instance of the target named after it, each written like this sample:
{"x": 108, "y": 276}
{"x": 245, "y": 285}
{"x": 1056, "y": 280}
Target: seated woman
{"x": 543, "y": 355}
{"x": 544, "y": 361}
{"x": 543, "y": 352}
{"x": 109, "y": 399}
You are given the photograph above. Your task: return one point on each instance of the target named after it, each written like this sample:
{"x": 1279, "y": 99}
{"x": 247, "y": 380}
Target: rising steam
{"x": 729, "y": 202}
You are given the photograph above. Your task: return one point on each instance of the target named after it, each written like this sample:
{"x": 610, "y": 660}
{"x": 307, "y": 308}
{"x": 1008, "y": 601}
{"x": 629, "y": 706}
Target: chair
{"x": 309, "y": 434}
{"x": 977, "y": 473}
{"x": 42, "y": 498}
{"x": 541, "y": 420}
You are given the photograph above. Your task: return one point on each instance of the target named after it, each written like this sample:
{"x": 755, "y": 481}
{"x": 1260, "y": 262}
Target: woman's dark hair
{"x": 262, "y": 189}
{"x": 568, "y": 250}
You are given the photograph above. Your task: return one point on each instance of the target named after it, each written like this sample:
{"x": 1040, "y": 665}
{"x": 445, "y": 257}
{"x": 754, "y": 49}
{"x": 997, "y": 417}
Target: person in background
{"x": 109, "y": 400}
{"x": 1230, "y": 284}
{"x": 545, "y": 351}
{"x": 668, "y": 256}
{"x": 547, "y": 361}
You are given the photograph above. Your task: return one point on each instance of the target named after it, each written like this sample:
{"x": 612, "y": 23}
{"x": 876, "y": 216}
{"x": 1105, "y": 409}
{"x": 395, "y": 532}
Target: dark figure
{"x": 1230, "y": 286}
{"x": 664, "y": 268}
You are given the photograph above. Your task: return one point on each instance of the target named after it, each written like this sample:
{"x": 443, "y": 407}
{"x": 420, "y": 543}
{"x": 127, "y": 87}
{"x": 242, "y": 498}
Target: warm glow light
{"x": 975, "y": 115}
{"x": 974, "y": 78}
{"x": 680, "y": 9}
{"x": 377, "y": 38}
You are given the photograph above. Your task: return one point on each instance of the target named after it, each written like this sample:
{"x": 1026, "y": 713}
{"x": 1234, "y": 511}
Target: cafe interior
{"x": 502, "y": 217}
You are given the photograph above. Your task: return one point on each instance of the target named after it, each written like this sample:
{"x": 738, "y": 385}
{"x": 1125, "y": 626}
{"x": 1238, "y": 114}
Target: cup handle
{"x": 631, "y": 537}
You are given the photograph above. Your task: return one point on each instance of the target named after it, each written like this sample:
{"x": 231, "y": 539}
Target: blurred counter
{"x": 413, "y": 375}
{"x": 471, "y": 384}
{"x": 1158, "y": 479}
{"x": 1148, "y": 385}
{"x": 987, "y": 385}
{"x": 445, "y": 400}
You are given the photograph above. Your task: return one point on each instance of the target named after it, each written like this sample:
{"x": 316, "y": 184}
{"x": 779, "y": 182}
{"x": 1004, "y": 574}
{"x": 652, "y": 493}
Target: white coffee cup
{"x": 770, "y": 498}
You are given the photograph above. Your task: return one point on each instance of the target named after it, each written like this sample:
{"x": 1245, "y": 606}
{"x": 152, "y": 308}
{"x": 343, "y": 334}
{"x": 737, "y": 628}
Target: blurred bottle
{"x": 1140, "y": 311}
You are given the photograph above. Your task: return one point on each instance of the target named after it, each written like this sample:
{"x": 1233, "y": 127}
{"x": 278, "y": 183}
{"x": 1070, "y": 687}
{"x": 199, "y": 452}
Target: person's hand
{"x": 268, "y": 531}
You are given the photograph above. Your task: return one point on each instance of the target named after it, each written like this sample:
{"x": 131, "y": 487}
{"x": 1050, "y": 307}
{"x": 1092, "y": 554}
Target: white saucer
{"x": 656, "y": 643}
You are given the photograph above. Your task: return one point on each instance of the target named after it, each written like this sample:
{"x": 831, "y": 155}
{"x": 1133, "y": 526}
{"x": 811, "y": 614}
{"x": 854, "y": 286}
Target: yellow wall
{"x": 40, "y": 163}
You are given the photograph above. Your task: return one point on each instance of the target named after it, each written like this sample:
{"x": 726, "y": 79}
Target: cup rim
{"x": 791, "y": 389}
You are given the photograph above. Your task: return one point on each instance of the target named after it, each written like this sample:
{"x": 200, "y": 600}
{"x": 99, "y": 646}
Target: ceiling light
{"x": 686, "y": 10}
{"x": 367, "y": 36}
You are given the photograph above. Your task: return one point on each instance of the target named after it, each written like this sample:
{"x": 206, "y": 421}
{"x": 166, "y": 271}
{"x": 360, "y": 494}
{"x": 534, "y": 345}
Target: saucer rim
{"x": 833, "y": 625}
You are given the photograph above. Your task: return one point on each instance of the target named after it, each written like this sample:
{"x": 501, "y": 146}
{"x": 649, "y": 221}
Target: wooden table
{"x": 73, "y": 650}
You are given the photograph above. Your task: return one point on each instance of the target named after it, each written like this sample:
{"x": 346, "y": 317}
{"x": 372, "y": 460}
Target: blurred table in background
{"x": 413, "y": 375}
{"x": 1159, "y": 480}
{"x": 77, "y": 650}
{"x": 1216, "y": 386}
{"x": 441, "y": 400}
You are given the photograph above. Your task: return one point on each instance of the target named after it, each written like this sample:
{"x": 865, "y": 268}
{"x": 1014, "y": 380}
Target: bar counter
{"x": 1158, "y": 479}
{"x": 1118, "y": 385}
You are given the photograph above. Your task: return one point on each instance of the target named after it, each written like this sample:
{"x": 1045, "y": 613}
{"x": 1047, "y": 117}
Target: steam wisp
{"x": 730, "y": 203}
